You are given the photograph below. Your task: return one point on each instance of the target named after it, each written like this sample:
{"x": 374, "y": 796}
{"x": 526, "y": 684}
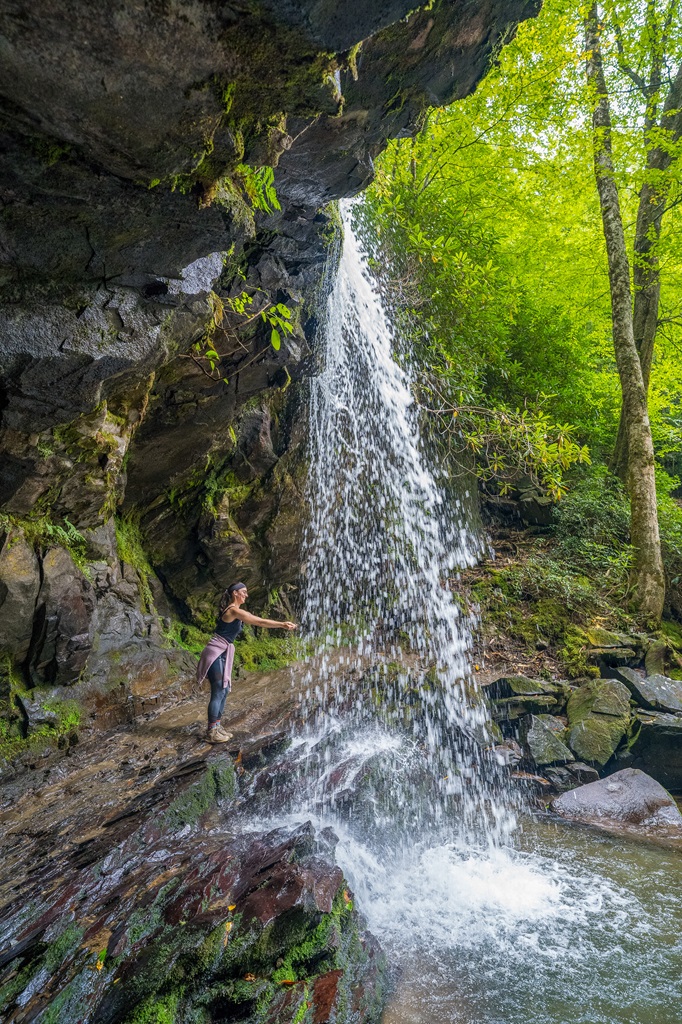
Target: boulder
{"x": 517, "y": 686}
{"x": 657, "y": 692}
{"x": 568, "y": 776}
{"x": 599, "y": 717}
{"x": 630, "y": 798}
{"x": 596, "y": 738}
{"x": 656, "y": 658}
{"x": 598, "y": 696}
{"x": 607, "y": 658}
{"x": 543, "y": 741}
{"x": 657, "y": 747}
{"x": 605, "y": 638}
{"x": 515, "y": 696}
{"x": 508, "y": 753}
{"x": 582, "y": 773}
{"x": 513, "y": 708}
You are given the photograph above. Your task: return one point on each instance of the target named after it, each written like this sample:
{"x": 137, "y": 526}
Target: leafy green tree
{"x": 491, "y": 249}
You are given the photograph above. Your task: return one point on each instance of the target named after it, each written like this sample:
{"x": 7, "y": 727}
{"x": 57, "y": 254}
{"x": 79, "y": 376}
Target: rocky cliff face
{"x": 138, "y": 474}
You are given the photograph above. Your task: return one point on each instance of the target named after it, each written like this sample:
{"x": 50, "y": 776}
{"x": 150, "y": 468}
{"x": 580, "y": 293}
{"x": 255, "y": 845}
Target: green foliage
{"x": 265, "y": 652}
{"x": 131, "y": 551}
{"x": 276, "y": 316}
{"x": 43, "y": 531}
{"x": 259, "y": 186}
{"x": 182, "y": 634}
{"x": 486, "y": 234}
{"x": 670, "y": 523}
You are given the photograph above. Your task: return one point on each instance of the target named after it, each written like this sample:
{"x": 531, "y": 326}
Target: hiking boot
{"x": 214, "y": 734}
{"x": 224, "y": 734}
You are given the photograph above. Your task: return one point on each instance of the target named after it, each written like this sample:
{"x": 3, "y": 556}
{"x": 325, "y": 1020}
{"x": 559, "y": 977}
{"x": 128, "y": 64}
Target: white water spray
{"x": 551, "y": 931}
{"x": 382, "y": 547}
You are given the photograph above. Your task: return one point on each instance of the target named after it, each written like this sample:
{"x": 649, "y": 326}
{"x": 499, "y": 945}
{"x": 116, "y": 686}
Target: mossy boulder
{"x": 512, "y": 708}
{"x": 542, "y": 737}
{"x": 516, "y": 695}
{"x": 598, "y": 716}
{"x": 598, "y": 696}
{"x": 596, "y": 738}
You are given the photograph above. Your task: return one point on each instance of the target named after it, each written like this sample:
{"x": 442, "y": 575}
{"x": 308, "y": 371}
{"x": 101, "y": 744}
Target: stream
{"x": 488, "y": 913}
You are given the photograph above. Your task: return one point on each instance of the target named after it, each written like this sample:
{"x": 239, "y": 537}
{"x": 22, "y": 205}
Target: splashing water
{"x": 565, "y": 928}
{"x": 382, "y": 543}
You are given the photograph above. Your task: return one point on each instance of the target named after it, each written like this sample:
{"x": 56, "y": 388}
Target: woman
{"x": 218, "y": 654}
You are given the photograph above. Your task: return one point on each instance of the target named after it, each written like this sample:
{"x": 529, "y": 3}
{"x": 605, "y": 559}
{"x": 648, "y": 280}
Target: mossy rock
{"x": 522, "y": 686}
{"x": 600, "y": 637}
{"x": 543, "y": 740}
{"x": 596, "y": 738}
{"x": 599, "y": 696}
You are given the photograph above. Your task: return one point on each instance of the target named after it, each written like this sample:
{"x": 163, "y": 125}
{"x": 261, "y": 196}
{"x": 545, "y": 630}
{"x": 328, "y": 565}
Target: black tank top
{"x": 228, "y": 630}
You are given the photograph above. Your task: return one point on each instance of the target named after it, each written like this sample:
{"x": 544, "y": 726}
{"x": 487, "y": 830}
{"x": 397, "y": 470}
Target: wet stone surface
{"x": 129, "y": 893}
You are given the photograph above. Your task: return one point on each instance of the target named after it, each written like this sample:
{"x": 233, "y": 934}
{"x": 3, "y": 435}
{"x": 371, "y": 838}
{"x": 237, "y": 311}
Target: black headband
{"x": 236, "y": 586}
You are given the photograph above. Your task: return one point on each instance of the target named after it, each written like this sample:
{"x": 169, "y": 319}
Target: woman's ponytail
{"x": 228, "y": 596}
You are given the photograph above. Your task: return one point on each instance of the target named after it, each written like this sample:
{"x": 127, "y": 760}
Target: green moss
{"x": 131, "y": 551}
{"x": 190, "y": 638}
{"x": 219, "y": 782}
{"x": 13, "y": 740}
{"x": 65, "y": 943}
{"x": 266, "y": 652}
{"x": 156, "y": 1010}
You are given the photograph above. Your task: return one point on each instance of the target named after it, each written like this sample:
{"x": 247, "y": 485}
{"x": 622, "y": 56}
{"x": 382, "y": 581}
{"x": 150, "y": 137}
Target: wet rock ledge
{"x": 129, "y": 893}
{"x": 137, "y": 146}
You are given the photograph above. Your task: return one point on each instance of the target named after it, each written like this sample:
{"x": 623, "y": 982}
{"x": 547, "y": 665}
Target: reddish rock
{"x": 325, "y": 992}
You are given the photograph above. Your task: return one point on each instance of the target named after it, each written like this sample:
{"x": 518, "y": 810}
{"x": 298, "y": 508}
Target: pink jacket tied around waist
{"x": 213, "y": 649}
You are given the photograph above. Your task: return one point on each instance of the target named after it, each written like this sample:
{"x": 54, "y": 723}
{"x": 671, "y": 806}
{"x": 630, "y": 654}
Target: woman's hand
{"x": 289, "y": 625}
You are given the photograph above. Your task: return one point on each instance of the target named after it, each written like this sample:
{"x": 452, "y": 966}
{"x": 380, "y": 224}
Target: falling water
{"x": 478, "y": 917}
{"x": 382, "y": 544}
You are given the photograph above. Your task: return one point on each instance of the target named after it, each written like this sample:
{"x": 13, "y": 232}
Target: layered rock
{"x": 148, "y": 902}
{"x": 138, "y": 212}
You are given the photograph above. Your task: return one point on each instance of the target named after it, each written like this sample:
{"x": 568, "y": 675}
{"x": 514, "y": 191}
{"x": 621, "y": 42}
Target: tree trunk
{"x": 653, "y": 198}
{"x": 649, "y": 579}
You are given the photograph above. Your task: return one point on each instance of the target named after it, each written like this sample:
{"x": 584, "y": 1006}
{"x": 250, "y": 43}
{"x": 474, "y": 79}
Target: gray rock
{"x": 19, "y": 586}
{"x": 599, "y": 717}
{"x": 516, "y": 686}
{"x": 596, "y": 738}
{"x": 657, "y": 693}
{"x": 513, "y": 708}
{"x": 629, "y": 798}
{"x": 65, "y": 607}
{"x": 582, "y": 773}
{"x": 657, "y": 747}
{"x": 509, "y": 753}
{"x": 543, "y": 743}
{"x": 556, "y": 725}
{"x": 36, "y": 714}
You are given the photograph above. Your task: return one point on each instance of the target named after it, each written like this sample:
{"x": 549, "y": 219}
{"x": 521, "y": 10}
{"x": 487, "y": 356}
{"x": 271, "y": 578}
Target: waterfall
{"x": 382, "y": 546}
{"x": 395, "y": 753}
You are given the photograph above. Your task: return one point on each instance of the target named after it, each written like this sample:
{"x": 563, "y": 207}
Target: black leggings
{"x": 218, "y": 692}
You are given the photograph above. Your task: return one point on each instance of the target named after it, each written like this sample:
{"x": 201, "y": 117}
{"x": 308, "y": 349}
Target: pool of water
{"x": 573, "y": 927}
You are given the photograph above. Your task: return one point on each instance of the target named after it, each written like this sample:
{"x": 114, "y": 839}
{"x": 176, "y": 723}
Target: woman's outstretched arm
{"x": 255, "y": 620}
